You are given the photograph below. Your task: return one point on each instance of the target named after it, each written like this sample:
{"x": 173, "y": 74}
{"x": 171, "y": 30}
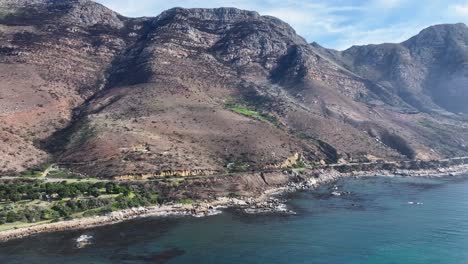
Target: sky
{"x": 336, "y": 24}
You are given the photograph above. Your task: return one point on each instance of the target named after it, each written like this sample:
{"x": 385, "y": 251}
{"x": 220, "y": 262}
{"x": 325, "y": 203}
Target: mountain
{"x": 428, "y": 71}
{"x": 208, "y": 91}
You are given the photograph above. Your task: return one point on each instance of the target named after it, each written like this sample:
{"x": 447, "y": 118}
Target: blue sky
{"x": 335, "y": 24}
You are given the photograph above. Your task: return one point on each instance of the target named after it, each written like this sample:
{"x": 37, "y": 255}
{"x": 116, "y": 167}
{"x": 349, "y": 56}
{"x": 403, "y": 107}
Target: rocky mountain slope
{"x": 209, "y": 91}
{"x": 428, "y": 71}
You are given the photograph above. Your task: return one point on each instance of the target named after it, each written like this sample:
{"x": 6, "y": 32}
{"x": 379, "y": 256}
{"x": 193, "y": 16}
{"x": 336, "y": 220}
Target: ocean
{"x": 378, "y": 220}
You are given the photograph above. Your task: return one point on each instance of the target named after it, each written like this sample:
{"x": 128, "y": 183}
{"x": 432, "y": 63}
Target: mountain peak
{"x": 439, "y": 34}
{"x": 220, "y": 17}
{"x": 36, "y": 3}
{"x": 223, "y": 13}
{"x": 79, "y": 12}
{"x": 445, "y": 27}
{"x": 90, "y": 13}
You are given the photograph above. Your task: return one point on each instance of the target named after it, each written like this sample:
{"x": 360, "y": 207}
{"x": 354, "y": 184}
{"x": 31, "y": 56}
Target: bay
{"x": 380, "y": 220}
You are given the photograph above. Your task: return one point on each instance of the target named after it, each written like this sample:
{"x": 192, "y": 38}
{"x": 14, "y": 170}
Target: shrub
{"x": 11, "y": 217}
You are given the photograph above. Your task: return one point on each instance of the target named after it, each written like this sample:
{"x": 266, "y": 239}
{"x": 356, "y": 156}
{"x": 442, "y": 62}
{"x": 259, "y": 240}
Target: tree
{"x": 94, "y": 192}
{"x": 31, "y": 215}
{"x": 47, "y": 214}
{"x": 32, "y": 194}
{"x": 126, "y": 192}
{"x": 63, "y": 210}
{"x": 14, "y": 196}
{"x": 11, "y": 217}
{"x": 64, "y": 192}
{"x": 110, "y": 188}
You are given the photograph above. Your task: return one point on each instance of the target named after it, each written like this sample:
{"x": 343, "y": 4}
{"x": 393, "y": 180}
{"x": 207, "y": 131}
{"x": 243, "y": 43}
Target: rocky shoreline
{"x": 197, "y": 209}
{"x": 330, "y": 175}
{"x": 264, "y": 203}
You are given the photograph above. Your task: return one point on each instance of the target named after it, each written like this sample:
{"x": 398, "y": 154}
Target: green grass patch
{"x": 252, "y": 113}
{"x": 237, "y": 167}
{"x": 33, "y": 173}
{"x": 92, "y": 212}
{"x": 15, "y": 225}
{"x": 60, "y": 174}
{"x": 92, "y": 179}
{"x": 185, "y": 201}
{"x": 176, "y": 182}
{"x": 36, "y": 172}
{"x": 246, "y": 112}
{"x": 108, "y": 196}
{"x": 299, "y": 165}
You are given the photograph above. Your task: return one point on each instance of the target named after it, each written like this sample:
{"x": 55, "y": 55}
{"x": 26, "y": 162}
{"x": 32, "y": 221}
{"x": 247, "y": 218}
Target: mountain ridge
{"x": 211, "y": 90}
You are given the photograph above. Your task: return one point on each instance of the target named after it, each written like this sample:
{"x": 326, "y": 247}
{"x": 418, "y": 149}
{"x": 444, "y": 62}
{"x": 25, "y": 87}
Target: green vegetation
{"x": 33, "y": 173}
{"x": 245, "y": 111}
{"x": 299, "y": 164}
{"x": 237, "y": 167}
{"x": 33, "y": 201}
{"x": 9, "y": 226}
{"x": 36, "y": 172}
{"x": 83, "y": 134}
{"x": 54, "y": 172}
{"x": 185, "y": 201}
{"x": 173, "y": 181}
{"x": 252, "y": 113}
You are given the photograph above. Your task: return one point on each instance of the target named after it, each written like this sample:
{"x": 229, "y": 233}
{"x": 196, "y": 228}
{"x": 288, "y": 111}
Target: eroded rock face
{"x": 428, "y": 71}
{"x": 201, "y": 89}
{"x": 53, "y": 56}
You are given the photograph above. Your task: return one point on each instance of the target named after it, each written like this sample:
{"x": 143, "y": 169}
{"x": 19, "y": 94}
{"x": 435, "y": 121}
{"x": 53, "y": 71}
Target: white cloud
{"x": 290, "y": 15}
{"x": 394, "y": 34}
{"x": 313, "y": 20}
{"x": 309, "y": 22}
{"x": 461, "y": 10}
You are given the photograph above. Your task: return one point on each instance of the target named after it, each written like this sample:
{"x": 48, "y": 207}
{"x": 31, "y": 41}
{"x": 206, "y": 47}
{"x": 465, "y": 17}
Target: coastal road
{"x": 48, "y": 179}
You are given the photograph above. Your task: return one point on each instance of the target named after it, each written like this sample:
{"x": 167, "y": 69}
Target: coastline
{"x": 259, "y": 203}
{"x": 196, "y": 209}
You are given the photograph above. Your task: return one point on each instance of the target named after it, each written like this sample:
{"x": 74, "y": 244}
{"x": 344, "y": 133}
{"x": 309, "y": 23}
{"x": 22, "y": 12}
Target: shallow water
{"x": 378, "y": 222}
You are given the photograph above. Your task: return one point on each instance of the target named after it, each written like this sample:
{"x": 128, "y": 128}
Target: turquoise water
{"x": 375, "y": 223}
